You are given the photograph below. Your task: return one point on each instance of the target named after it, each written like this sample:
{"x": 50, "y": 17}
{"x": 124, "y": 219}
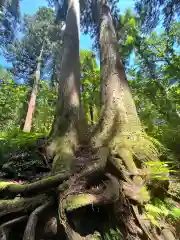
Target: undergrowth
{"x": 158, "y": 210}
{"x": 18, "y": 153}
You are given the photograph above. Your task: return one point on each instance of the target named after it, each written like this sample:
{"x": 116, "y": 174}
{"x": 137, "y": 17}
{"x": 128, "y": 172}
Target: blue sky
{"x": 31, "y": 6}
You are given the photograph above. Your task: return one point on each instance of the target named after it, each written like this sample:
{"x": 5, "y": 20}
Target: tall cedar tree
{"x": 109, "y": 177}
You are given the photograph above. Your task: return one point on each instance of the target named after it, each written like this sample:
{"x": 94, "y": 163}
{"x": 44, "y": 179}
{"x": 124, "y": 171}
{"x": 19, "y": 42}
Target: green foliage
{"x": 45, "y": 109}
{"x": 160, "y": 125}
{"x": 18, "y": 156}
{"x": 155, "y": 87}
{"x": 154, "y": 76}
{"x": 24, "y": 52}
{"x": 13, "y": 97}
{"x": 90, "y": 79}
{"x": 153, "y": 12}
{"x": 113, "y": 234}
{"x": 17, "y": 139}
{"x": 9, "y": 19}
{"x": 162, "y": 210}
{"x": 127, "y": 35}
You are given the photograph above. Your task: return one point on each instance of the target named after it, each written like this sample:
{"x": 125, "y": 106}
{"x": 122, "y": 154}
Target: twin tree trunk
{"x": 108, "y": 176}
{"x": 33, "y": 96}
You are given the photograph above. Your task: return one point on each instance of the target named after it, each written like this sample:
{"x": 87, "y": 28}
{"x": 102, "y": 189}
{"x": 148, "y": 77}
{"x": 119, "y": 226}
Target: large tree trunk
{"x": 32, "y": 101}
{"x": 65, "y": 134}
{"x": 117, "y": 102}
{"x": 120, "y": 127}
{"x": 102, "y": 195}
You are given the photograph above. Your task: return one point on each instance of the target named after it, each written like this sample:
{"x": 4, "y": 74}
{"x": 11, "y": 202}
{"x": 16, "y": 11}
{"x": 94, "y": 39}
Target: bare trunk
{"x": 33, "y": 96}
{"x": 117, "y": 102}
{"x": 54, "y": 82}
{"x": 120, "y": 127}
{"x": 64, "y": 136}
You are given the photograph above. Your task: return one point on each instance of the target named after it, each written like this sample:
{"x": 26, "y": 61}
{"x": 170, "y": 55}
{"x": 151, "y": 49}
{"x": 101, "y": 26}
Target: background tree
{"x": 90, "y": 76}
{"x": 9, "y": 19}
{"x": 153, "y": 12}
{"x": 30, "y": 55}
{"x": 13, "y": 97}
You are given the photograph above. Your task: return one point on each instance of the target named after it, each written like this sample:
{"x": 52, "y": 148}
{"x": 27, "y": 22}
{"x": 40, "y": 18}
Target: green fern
{"x": 113, "y": 234}
{"x": 158, "y": 210}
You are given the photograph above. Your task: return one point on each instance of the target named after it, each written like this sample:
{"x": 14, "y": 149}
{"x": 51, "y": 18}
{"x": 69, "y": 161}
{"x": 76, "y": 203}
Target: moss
{"x": 127, "y": 157}
{"x": 41, "y": 185}
{"x": 138, "y": 180}
{"x": 138, "y": 193}
{"x": 139, "y": 145}
{"x": 73, "y": 202}
{"x": 18, "y": 154}
{"x": 144, "y": 194}
{"x": 4, "y": 185}
{"x": 20, "y": 204}
{"x": 64, "y": 155}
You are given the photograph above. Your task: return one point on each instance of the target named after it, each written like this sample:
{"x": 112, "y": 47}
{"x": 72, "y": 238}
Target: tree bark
{"x": 65, "y": 134}
{"x": 95, "y": 183}
{"x": 117, "y": 103}
{"x": 33, "y": 96}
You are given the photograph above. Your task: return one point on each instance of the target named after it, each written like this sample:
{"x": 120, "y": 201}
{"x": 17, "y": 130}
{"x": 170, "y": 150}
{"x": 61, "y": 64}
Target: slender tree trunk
{"x": 65, "y": 134}
{"x": 32, "y": 102}
{"x": 54, "y": 81}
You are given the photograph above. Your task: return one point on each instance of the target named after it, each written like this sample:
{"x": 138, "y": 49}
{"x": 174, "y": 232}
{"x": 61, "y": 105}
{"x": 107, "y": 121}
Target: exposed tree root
{"x": 70, "y": 233}
{"x": 136, "y": 193}
{"x": 72, "y": 199}
{"x": 42, "y": 185}
{"x": 91, "y": 170}
{"x": 5, "y": 228}
{"x": 30, "y": 230}
{"x": 98, "y": 165}
{"x": 167, "y": 233}
{"x": 5, "y": 234}
{"x": 20, "y": 204}
{"x": 145, "y": 229}
{"x": 14, "y": 221}
{"x": 109, "y": 194}
{"x": 121, "y": 171}
{"x": 134, "y": 189}
{"x": 95, "y": 184}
